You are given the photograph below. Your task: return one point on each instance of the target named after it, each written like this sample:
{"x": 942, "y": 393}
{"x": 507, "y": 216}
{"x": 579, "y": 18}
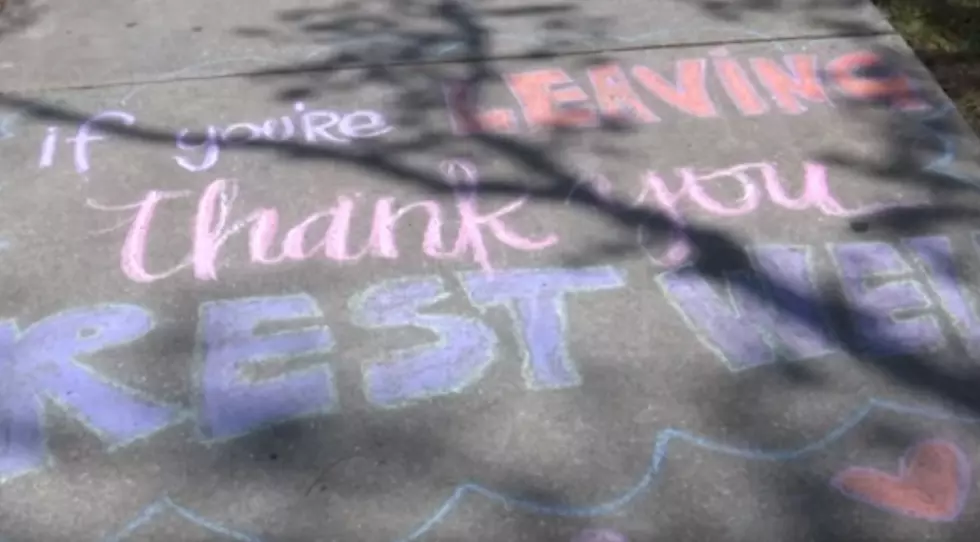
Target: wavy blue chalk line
{"x": 662, "y": 441}
{"x": 7, "y": 124}
{"x": 943, "y": 164}
{"x": 165, "y": 503}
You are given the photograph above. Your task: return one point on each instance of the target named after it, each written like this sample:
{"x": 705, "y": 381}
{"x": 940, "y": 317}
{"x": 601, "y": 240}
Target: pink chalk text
{"x": 214, "y": 225}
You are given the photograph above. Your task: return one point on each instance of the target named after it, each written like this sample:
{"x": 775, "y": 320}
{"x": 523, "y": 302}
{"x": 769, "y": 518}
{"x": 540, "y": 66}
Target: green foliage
{"x": 946, "y": 35}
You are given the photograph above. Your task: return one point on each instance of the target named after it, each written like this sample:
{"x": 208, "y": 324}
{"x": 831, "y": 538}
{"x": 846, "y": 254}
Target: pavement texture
{"x": 424, "y": 270}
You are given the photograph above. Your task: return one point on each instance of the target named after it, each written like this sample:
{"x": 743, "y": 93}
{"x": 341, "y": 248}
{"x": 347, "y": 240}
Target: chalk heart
{"x": 932, "y": 483}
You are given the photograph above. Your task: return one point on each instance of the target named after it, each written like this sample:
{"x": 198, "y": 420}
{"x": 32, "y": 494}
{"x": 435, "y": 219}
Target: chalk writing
{"x": 791, "y": 84}
{"x": 213, "y": 226}
{"x": 935, "y": 254}
{"x": 232, "y": 404}
{"x": 535, "y": 301}
{"x": 879, "y": 331}
{"x": 760, "y": 318}
{"x": 747, "y": 330}
{"x": 550, "y": 97}
{"x": 249, "y": 380}
{"x": 932, "y": 483}
{"x": 600, "y": 535}
{"x": 313, "y": 127}
{"x": 82, "y": 138}
{"x": 43, "y": 362}
{"x": 464, "y": 350}
{"x": 756, "y": 182}
{"x": 243, "y": 379}
{"x": 200, "y": 151}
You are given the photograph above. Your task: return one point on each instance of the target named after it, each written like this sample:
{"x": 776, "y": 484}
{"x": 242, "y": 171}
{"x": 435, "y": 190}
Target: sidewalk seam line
{"x": 311, "y": 67}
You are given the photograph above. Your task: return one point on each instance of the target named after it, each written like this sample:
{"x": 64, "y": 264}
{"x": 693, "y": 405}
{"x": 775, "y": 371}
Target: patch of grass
{"x": 946, "y": 36}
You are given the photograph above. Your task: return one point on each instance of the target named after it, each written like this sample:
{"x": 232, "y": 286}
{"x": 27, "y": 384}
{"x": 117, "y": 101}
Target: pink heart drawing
{"x": 932, "y": 483}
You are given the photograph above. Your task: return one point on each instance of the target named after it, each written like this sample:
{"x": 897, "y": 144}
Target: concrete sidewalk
{"x": 404, "y": 271}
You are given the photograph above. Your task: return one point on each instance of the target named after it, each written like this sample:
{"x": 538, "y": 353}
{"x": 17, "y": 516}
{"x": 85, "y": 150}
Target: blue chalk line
{"x": 942, "y": 165}
{"x": 163, "y": 505}
{"x": 662, "y": 441}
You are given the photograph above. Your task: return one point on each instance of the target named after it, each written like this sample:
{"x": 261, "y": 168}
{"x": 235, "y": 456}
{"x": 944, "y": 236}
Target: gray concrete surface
{"x": 118, "y": 41}
{"x": 707, "y": 275}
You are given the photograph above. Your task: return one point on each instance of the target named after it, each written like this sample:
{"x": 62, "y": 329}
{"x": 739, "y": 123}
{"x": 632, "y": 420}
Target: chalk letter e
{"x": 234, "y": 404}
{"x": 760, "y": 316}
{"x": 889, "y": 317}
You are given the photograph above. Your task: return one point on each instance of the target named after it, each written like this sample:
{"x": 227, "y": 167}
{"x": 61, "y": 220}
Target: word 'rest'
{"x": 770, "y": 314}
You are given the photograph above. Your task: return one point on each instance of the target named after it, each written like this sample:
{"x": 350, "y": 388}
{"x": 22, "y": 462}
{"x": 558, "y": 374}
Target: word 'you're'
{"x": 200, "y": 150}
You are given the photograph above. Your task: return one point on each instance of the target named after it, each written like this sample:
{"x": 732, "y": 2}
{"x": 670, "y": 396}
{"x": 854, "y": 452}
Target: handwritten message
{"x": 640, "y": 94}
{"x": 754, "y": 318}
{"x": 749, "y": 320}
